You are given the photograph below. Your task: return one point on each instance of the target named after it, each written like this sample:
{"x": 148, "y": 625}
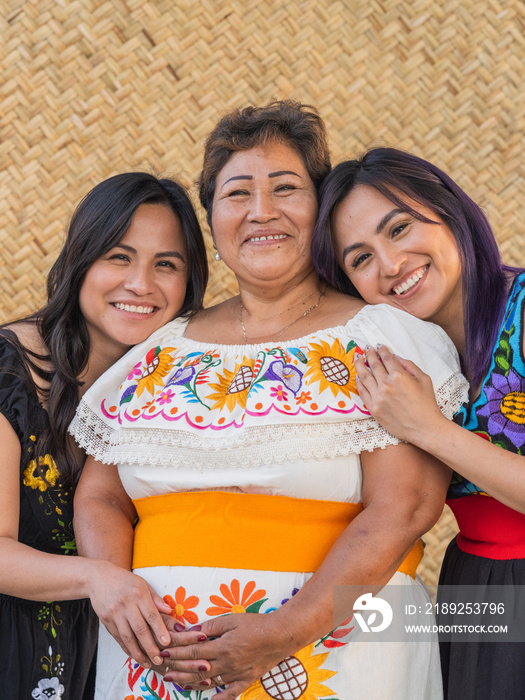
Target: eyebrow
{"x": 162, "y": 254}
{"x": 276, "y": 174}
{"x": 380, "y": 226}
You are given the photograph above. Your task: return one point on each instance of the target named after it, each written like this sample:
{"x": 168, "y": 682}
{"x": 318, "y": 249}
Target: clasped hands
{"x": 233, "y": 650}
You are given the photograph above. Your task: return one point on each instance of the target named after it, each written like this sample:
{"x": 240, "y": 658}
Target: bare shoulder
{"x": 340, "y": 308}
{"x": 217, "y": 323}
{"x": 28, "y": 335}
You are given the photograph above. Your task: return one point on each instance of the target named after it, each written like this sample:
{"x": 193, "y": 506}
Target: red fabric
{"x": 488, "y": 528}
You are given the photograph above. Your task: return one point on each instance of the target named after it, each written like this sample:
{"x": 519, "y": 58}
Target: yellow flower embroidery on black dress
{"x": 37, "y": 482}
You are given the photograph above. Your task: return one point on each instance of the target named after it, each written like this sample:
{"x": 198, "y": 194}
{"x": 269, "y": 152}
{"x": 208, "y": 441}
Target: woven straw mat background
{"x": 90, "y": 88}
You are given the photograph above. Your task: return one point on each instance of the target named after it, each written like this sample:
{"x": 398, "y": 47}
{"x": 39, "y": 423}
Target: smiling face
{"x": 138, "y": 285}
{"x": 264, "y": 211}
{"x": 393, "y": 258}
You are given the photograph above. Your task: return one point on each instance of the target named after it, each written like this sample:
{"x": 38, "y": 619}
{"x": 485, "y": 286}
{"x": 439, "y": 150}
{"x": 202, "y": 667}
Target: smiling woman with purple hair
{"x": 395, "y": 229}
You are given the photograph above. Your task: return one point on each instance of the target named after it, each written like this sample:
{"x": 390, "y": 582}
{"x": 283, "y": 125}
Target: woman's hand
{"x": 236, "y": 649}
{"x": 397, "y": 393}
{"x": 131, "y": 612}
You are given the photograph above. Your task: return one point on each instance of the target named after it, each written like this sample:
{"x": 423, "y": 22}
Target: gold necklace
{"x": 281, "y": 332}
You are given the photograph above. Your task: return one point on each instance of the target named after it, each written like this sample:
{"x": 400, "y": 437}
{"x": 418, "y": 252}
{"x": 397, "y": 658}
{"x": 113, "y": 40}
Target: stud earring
{"x": 217, "y": 256}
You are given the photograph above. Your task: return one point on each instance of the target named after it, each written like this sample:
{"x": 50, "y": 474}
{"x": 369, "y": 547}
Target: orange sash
{"x": 242, "y": 531}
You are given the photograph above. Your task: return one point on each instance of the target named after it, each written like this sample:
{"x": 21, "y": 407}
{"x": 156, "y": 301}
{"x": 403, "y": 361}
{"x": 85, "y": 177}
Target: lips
{"x": 266, "y": 236}
{"x": 134, "y": 309}
{"x": 410, "y": 282}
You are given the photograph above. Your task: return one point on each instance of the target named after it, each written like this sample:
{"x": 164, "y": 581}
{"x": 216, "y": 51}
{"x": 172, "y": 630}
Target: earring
{"x": 217, "y": 256}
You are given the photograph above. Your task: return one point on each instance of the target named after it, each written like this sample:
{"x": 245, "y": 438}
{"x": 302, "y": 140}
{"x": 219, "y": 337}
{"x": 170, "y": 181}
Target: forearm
{"x": 497, "y": 471}
{"x": 364, "y": 558}
{"x": 103, "y": 531}
{"x": 34, "y": 575}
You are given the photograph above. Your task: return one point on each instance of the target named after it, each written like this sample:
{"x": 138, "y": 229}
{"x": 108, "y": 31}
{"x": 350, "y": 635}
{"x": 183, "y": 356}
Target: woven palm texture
{"x": 90, "y": 88}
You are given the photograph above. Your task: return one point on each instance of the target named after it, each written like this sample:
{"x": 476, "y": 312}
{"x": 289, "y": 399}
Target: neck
{"x": 98, "y": 362}
{"x": 266, "y": 312}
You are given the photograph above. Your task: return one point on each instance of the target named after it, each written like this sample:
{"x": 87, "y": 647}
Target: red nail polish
{"x": 202, "y": 638}
{"x": 179, "y": 627}
{"x": 206, "y": 683}
{"x": 203, "y": 668}
{"x": 164, "y": 654}
{"x": 168, "y": 679}
{"x": 195, "y": 628}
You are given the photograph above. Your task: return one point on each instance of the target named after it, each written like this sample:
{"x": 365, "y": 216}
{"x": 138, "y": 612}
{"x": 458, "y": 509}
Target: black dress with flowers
{"x": 490, "y": 546}
{"x": 47, "y": 649}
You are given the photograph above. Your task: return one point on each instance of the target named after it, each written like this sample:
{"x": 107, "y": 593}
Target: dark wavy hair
{"x": 297, "y": 125}
{"x": 396, "y": 174}
{"x": 99, "y": 222}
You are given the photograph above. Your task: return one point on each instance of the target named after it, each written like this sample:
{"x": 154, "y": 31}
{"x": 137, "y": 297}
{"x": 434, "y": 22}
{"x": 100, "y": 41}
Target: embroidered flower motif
{"x": 505, "y": 407}
{"x": 48, "y": 689}
{"x": 331, "y": 640}
{"x": 37, "y": 482}
{"x": 303, "y": 398}
{"x": 332, "y": 367}
{"x": 136, "y": 371}
{"x": 278, "y": 393}
{"x": 289, "y": 375}
{"x": 180, "y": 606}
{"x": 234, "y": 603}
{"x": 158, "y": 364}
{"x": 166, "y": 397}
{"x": 233, "y": 387}
{"x": 182, "y": 376}
{"x": 298, "y": 676}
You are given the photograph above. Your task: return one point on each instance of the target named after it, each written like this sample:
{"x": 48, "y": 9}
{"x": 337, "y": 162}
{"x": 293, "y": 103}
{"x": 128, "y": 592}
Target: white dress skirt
{"x": 197, "y": 428}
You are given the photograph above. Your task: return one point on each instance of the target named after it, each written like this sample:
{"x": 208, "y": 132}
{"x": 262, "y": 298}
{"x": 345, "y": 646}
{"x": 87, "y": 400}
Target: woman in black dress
{"x": 134, "y": 259}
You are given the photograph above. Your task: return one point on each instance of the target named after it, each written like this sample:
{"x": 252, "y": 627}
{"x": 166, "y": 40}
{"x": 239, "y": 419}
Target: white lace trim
{"x": 251, "y": 447}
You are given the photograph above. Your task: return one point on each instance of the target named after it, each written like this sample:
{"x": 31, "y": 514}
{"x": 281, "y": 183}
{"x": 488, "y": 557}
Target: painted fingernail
{"x": 195, "y": 628}
{"x": 179, "y": 627}
{"x": 205, "y": 683}
{"x": 164, "y": 654}
{"x": 202, "y": 638}
{"x": 203, "y": 668}
{"x": 168, "y": 679}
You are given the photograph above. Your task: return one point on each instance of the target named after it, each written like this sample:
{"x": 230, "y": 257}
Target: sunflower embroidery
{"x": 37, "y": 482}
{"x": 298, "y": 676}
{"x": 233, "y": 387}
{"x": 233, "y": 602}
{"x": 332, "y": 367}
{"x": 181, "y": 606}
{"x": 158, "y": 364}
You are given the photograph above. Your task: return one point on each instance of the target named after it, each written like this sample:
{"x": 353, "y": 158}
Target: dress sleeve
{"x": 426, "y": 344}
{"x": 15, "y": 388}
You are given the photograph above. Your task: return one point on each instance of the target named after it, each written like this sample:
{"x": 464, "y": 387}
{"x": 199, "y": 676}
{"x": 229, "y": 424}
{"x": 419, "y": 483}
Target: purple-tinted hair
{"x": 484, "y": 277}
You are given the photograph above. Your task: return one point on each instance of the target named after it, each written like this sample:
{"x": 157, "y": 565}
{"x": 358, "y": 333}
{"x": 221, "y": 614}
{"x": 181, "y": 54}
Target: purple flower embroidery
{"x": 182, "y": 375}
{"x": 505, "y": 407}
{"x": 289, "y": 375}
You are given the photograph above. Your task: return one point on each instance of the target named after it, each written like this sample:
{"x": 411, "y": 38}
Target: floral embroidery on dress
{"x": 250, "y": 601}
{"x": 201, "y": 389}
{"x": 181, "y": 606}
{"x": 297, "y": 676}
{"x": 37, "y": 482}
{"x": 498, "y": 415}
{"x": 48, "y": 689}
{"x": 151, "y": 686}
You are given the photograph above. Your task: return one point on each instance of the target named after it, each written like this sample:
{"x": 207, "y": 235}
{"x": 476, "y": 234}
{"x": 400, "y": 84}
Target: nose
{"x": 139, "y": 280}
{"x": 262, "y": 206}
{"x": 391, "y": 261}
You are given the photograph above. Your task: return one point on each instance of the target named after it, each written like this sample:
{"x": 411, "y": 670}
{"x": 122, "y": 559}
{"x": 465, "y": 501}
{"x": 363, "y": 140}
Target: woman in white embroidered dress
{"x": 253, "y": 465}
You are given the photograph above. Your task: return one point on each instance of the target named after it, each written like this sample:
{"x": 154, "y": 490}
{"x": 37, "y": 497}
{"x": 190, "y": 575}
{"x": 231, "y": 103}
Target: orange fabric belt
{"x": 242, "y": 531}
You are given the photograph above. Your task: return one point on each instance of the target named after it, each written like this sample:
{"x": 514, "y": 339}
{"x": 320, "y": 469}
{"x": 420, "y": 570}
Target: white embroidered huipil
{"x": 275, "y": 419}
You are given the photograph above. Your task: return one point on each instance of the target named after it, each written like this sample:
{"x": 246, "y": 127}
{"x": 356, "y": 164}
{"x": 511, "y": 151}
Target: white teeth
{"x": 268, "y": 238}
{"x": 135, "y": 309}
{"x": 410, "y": 282}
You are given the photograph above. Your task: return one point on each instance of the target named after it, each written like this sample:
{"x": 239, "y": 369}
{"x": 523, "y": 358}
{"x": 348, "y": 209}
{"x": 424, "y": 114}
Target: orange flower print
{"x": 305, "y": 396}
{"x": 181, "y": 606}
{"x": 233, "y": 602}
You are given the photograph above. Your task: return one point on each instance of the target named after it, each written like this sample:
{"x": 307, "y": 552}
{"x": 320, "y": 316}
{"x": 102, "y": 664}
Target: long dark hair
{"x": 99, "y": 222}
{"x": 484, "y": 277}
